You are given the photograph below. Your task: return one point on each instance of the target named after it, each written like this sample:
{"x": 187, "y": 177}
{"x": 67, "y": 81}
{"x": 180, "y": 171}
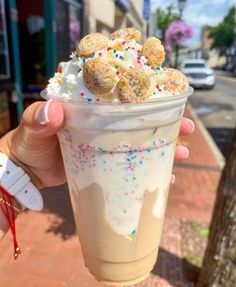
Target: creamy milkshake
{"x": 118, "y": 148}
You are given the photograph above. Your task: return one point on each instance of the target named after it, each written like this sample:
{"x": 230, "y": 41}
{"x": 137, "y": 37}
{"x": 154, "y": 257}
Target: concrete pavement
{"x": 52, "y": 256}
{"x": 217, "y": 109}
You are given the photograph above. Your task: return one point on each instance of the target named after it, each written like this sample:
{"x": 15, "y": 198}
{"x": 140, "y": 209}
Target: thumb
{"x": 35, "y": 138}
{"x": 43, "y": 118}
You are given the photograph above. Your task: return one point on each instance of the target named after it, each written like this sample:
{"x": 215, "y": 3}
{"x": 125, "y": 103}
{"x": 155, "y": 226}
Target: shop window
{"x": 4, "y": 51}
{"x": 4, "y": 113}
{"x": 68, "y": 27}
{"x": 32, "y": 47}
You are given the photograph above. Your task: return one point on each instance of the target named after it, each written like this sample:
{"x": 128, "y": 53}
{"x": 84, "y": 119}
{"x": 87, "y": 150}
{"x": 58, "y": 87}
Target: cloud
{"x": 198, "y": 18}
{"x": 199, "y": 13}
{"x": 210, "y": 13}
{"x": 161, "y": 3}
{"x": 230, "y": 2}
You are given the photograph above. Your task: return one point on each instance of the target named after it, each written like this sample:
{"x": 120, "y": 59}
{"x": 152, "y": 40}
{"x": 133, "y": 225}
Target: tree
{"x": 177, "y": 33}
{"x": 223, "y": 34}
{"x": 219, "y": 265}
{"x": 164, "y": 18}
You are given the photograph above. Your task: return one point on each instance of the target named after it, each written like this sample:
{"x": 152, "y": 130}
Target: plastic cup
{"x": 118, "y": 160}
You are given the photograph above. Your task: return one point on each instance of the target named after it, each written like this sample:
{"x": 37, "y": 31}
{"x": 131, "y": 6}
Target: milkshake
{"x": 122, "y": 119}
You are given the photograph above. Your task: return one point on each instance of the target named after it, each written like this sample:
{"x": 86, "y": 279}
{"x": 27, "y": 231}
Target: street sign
{"x": 146, "y": 9}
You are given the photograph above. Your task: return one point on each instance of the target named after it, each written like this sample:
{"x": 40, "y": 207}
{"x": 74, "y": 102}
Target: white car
{"x": 198, "y": 73}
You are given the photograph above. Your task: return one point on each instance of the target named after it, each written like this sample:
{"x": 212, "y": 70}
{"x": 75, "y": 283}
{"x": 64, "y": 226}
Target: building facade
{"x": 105, "y": 16}
{"x": 34, "y": 37}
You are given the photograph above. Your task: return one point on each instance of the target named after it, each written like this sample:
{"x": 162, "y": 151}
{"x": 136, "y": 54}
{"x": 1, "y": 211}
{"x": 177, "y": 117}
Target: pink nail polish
{"x": 172, "y": 179}
{"x": 185, "y": 152}
{"x": 192, "y": 125}
{"x": 42, "y": 116}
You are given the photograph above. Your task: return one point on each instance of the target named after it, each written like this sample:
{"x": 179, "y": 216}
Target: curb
{"x": 214, "y": 148}
{"x": 226, "y": 76}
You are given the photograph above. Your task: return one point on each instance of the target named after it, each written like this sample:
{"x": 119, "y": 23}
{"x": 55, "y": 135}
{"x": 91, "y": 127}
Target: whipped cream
{"x": 68, "y": 83}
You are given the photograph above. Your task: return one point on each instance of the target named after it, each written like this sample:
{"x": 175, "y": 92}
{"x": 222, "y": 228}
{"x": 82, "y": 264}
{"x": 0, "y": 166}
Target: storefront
{"x": 6, "y": 77}
{"x": 48, "y": 32}
{"x": 34, "y": 37}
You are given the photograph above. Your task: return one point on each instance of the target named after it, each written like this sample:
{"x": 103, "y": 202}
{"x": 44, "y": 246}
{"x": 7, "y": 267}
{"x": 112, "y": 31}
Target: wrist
{"x": 15, "y": 183}
{"x": 14, "y": 205}
{"x": 7, "y": 148}
{"x": 16, "y": 189}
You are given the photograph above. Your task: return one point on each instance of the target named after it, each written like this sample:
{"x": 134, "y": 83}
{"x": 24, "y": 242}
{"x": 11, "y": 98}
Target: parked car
{"x": 198, "y": 73}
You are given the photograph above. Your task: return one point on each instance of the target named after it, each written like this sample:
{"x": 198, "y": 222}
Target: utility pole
{"x": 181, "y": 5}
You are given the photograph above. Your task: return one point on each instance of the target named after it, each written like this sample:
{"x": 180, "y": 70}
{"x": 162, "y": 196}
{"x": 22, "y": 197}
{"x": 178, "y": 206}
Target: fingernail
{"x": 191, "y": 125}
{"x": 42, "y": 116}
{"x": 172, "y": 179}
{"x": 185, "y": 152}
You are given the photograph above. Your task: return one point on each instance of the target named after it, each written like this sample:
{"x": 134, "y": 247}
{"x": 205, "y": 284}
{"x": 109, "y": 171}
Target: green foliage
{"x": 223, "y": 33}
{"x": 194, "y": 260}
{"x": 204, "y": 232}
{"x": 164, "y": 18}
{"x": 200, "y": 229}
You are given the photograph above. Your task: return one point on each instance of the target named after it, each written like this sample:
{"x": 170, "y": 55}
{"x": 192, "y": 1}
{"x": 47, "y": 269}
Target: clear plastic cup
{"x": 118, "y": 160}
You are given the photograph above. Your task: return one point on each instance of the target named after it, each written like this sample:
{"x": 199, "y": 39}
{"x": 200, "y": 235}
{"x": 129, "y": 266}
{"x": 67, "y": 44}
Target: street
{"x": 217, "y": 109}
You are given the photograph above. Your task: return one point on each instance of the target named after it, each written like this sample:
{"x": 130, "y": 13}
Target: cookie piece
{"x": 119, "y": 64}
{"x": 172, "y": 81}
{"x": 99, "y": 77}
{"x": 161, "y": 77}
{"x": 133, "y": 86}
{"x": 92, "y": 43}
{"x": 154, "y": 52}
{"x": 127, "y": 34}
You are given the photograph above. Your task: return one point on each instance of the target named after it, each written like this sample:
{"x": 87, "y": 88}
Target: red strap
{"x": 9, "y": 212}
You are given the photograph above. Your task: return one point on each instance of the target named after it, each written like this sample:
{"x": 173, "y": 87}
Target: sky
{"x": 198, "y": 13}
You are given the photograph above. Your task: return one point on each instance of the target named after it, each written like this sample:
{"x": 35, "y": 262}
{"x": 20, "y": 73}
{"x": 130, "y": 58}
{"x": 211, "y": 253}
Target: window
{"x": 4, "y": 51}
{"x": 194, "y": 65}
{"x": 68, "y": 27}
{"x": 31, "y": 27}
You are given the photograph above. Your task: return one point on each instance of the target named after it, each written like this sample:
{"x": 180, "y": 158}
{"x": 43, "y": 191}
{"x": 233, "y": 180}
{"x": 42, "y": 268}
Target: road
{"x": 217, "y": 109}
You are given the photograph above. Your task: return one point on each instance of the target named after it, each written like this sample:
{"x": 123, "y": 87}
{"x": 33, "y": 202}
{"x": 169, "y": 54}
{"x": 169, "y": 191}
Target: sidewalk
{"x": 52, "y": 256}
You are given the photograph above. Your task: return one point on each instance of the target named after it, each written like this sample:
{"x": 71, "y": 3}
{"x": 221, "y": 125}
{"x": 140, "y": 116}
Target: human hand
{"x": 186, "y": 128}
{"x": 181, "y": 152}
{"x": 34, "y": 146}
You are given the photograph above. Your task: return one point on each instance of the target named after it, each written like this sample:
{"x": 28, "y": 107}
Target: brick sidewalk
{"x": 193, "y": 193}
{"x": 51, "y": 252}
